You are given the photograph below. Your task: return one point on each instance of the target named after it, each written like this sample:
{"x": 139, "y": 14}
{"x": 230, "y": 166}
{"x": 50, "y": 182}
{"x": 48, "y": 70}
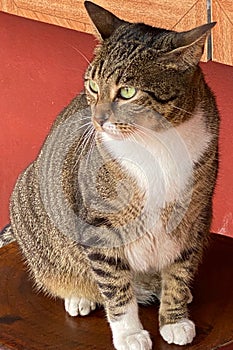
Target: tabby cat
{"x": 117, "y": 207}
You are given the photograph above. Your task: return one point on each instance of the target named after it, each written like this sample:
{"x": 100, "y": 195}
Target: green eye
{"x": 93, "y": 86}
{"x": 127, "y": 92}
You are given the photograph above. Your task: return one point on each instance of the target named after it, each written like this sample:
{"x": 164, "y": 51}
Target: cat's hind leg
{"x": 79, "y": 306}
{"x": 147, "y": 286}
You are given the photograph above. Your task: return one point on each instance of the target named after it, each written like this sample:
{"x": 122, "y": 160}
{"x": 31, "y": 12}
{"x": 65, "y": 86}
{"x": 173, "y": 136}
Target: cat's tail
{"x": 6, "y": 236}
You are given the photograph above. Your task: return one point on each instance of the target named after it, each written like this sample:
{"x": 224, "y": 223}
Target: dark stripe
{"x": 109, "y": 294}
{"x": 178, "y": 315}
{"x": 108, "y": 290}
{"x": 102, "y": 273}
{"x": 101, "y": 64}
{"x": 122, "y": 292}
{"x": 111, "y": 261}
{"x": 97, "y": 222}
{"x": 186, "y": 253}
{"x": 116, "y": 315}
{"x": 97, "y": 257}
{"x": 7, "y": 228}
{"x": 125, "y": 288}
{"x": 160, "y": 100}
{"x": 106, "y": 286}
{"x": 93, "y": 72}
{"x": 177, "y": 309}
{"x": 124, "y": 302}
{"x": 122, "y": 266}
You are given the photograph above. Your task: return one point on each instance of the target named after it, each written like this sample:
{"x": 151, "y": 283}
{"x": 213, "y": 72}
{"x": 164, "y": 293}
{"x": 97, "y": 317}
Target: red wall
{"x": 220, "y": 79}
{"x": 41, "y": 68}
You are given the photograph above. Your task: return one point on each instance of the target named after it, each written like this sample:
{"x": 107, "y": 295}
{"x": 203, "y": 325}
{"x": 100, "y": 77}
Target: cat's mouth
{"x": 117, "y": 131}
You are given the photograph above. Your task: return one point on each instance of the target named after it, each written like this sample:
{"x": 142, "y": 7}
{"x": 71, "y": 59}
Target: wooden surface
{"x": 222, "y": 13}
{"x": 181, "y": 14}
{"x": 31, "y": 321}
{"x": 178, "y": 15}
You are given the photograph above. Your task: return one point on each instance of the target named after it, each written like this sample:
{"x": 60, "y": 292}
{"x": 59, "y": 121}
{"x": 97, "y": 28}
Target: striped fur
{"x": 117, "y": 206}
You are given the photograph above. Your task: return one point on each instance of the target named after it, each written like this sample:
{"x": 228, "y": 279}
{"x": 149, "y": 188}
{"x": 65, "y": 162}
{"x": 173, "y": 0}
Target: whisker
{"x": 77, "y": 50}
{"x": 86, "y": 136}
{"x": 181, "y": 109}
{"x": 86, "y": 117}
{"x": 143, "y": 131}
{"x": 82, "y": 146}
{"x": 133, "y": 138}
{"x": 75, "y": 130}
{"x": 92, "y": 145}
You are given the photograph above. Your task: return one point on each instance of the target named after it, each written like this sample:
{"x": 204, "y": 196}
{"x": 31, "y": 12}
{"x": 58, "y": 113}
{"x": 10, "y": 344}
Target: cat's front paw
{"x": 137, "y": 341}
{"x": 79, "y": 306}
{"x": 179, "y": 333}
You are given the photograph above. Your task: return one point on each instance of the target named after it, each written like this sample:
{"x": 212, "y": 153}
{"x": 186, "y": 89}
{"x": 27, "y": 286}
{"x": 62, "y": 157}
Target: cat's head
{"x": 142, "y": 76}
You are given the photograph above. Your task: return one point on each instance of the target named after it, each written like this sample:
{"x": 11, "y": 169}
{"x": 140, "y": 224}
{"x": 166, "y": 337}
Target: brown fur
{"x": 76, "y": 176}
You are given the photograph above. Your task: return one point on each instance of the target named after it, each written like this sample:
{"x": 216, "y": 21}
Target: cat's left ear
{"x": 105, "y": 22}
{"x": 189, "y": 46}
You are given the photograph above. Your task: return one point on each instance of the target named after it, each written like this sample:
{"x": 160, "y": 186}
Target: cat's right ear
{"x": 105, "y": 22}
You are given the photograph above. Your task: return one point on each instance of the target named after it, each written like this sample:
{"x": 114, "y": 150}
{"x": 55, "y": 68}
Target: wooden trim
{"x": 181, "y": 15}
{"x": 47, "y": 12}
{"x": 222, "y": 13}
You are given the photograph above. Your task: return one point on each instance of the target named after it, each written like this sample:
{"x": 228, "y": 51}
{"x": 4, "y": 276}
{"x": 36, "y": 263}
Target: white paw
{"x": 179, "y": 333}
{"x": 79, "y": 306}
{"x": 136, "y": 341}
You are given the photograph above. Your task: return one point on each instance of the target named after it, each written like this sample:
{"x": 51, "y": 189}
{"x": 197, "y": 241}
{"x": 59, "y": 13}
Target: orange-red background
{"x": 41, "y": 70}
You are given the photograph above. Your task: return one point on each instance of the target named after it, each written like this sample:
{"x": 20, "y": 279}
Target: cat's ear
{"x": 189, "y": 46}
{"x": 105, "y": 22}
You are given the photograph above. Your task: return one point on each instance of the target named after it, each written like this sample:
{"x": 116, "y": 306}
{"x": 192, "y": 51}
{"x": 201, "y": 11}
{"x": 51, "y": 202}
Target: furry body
{"x": 117, "y": 206}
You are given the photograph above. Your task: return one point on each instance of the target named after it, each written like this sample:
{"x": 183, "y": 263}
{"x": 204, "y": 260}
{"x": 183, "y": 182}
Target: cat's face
{"x": 141, "y": 78}
{"x": 127, "y": 89}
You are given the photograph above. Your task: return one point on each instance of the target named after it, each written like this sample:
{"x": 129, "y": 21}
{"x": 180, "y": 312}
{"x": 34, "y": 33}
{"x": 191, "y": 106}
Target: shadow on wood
{"x": 31, "y": 321}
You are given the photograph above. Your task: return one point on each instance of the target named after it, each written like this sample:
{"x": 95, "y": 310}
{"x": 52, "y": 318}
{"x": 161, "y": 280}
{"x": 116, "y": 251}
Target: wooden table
{"x": 32, "y": 321}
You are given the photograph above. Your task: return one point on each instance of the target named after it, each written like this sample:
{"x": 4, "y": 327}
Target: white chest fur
{"x": 162, "y": 164}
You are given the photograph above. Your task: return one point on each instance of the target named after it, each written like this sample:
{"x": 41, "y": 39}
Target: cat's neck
{"x": 162, "y": 161}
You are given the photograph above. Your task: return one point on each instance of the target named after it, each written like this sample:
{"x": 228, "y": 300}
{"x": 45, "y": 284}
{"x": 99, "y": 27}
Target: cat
{"x": 116, "y": 209}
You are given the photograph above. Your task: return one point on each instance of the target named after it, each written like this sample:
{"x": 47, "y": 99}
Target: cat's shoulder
{"x": 77, "y": 104}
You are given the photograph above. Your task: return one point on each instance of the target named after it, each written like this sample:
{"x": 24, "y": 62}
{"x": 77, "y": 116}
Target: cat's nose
{"x": 101, "y": 119}
{"x": 101, "y": 114}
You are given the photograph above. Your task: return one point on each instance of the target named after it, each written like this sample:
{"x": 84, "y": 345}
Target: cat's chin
{"x": 112, "y": 136}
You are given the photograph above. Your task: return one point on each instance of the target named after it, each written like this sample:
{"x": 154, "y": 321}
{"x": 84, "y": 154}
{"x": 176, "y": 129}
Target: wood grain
{"x": 222, "y": 13}
{"x": 178, "y": 15}
{"x": 183, "y": 14}
{"x": 32, "y": 321}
